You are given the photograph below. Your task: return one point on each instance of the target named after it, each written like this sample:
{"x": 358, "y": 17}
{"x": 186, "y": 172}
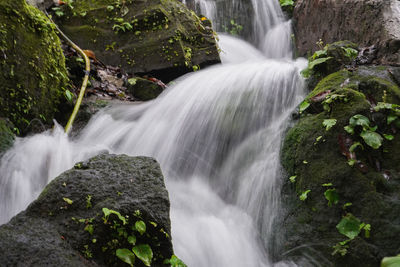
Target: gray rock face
{"x": 367, "y": 23}
{"x": 53, "y": 232}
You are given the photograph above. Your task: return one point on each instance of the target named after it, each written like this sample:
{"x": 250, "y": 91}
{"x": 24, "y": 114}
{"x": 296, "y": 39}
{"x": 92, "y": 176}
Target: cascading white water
{"x": 270, "y": 32}
{"x": 216, "y": 134}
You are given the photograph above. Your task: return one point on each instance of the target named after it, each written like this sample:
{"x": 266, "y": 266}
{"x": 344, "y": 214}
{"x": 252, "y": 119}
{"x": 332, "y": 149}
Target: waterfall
{"x": 263, "y": 22}
{"x": 216, "y": 133}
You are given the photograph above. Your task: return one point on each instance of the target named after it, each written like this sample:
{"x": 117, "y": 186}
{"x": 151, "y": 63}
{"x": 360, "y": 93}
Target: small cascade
{"x": 216, "y": 133}
{"x": 263, "y": 22}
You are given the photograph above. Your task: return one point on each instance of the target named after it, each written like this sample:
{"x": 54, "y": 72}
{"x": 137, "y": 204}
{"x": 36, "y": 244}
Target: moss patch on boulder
{"x": 323, "y": 160}
{"x": 33, "y": 76}
{"x": 161, "y": 38}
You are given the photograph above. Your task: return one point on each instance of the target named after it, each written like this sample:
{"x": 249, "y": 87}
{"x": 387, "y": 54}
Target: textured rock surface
{"x": 371, "y": 22}
{"x": 52, "y": 231}
{"x": 161, "y": 38}
{"x": 33, "y": 76}
{"x": 317, "y": 156}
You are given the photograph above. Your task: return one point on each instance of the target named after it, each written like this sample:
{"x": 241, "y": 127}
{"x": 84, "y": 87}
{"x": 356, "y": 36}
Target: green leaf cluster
{"x": 368, "y": 134}
{"x": 141, "y": 251}
{"x": 284, "y": 3}
{"x": 350, "y": 226}
{"x": 174, "y": 261}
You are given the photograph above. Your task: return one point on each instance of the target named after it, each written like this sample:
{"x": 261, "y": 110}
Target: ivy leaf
{"x": 391, "y": 118}
{"x": 317, "y": 61}
{"x": 349, "y": 226}
{"x": 332, "y": 196}
{"x": 126, "y": 256}
{"x": 108, "y": 212}
{"x": 359, "y": 120}
{"x": 372, "y": 139}
{"x": 140, "y": 227}
{"x": 388, "y": 137}
{"x": 349, "y": 129}
{"x": 68, "y": 95}
{"x": 286, "y": 2}
{"x": 391, "y": 261}
{"x": 132, "y": 240}
{"x": 303, "y": 106}
{"x": 329, "y": 123}
{"x": 303, "y": 195}
{"x": 350, "y": 52}
{"x": 175, "y": 262}
{"x": 144, "y": 253}
{"x": 293, "y": 178}
{"x": 367, "y": 229}
{"x": 319, "y": 53}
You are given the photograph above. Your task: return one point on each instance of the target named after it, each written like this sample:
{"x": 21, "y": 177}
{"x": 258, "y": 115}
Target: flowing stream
{"x": 217, "y": 135}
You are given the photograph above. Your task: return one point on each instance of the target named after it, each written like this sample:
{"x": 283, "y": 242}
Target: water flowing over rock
{"x": 161, "y": 38}
{"x": 217, "y": 135}
{"x": 367, "y": 23}
{"x": 67, "y": 220}
{"x": 260, "y": 22}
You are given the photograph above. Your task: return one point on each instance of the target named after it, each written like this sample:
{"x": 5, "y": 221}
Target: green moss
{"x": 371, "y": 185}
{"x": 6, "y": 136}
{"x": 154, "y": 35}
{"x": 33, "y": 74}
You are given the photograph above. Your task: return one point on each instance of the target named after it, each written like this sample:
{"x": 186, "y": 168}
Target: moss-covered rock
{"x": 144, "y": 89}
{"x": 329, "y": 59}
{"x": 68, "y": 226}
{"x": 6, "y": 136}
{"x": 322, "y": 160}
{"x": 157, "y": 37}
{"x": 33, "y": 76}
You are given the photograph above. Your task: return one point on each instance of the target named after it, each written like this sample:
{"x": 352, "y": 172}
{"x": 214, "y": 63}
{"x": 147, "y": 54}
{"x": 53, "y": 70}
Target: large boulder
{"x": 160, "y": 38}
{"x": 89, "y": 212}
{"x": 33, "y": 76}
{"x": 367, "y": 23}
{"x": 342, "y": 199}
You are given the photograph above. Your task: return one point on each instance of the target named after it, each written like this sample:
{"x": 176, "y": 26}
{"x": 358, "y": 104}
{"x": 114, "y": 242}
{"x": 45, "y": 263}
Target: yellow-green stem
{"x": 85, "y": 79}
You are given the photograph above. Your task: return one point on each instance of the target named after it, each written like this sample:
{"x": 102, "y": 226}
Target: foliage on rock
{"x": 157, "y": 37}
{"x": 107, "y": 211}
{"x": 33, "y": 75}
{"x": 352, "y": 171}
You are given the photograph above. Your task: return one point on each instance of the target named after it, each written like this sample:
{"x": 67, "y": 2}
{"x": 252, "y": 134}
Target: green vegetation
{"x": 33, "y": 75}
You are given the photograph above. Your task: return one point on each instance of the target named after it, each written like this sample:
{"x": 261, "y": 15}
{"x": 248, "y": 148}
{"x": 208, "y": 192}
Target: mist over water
{"x": 216, "y": 133}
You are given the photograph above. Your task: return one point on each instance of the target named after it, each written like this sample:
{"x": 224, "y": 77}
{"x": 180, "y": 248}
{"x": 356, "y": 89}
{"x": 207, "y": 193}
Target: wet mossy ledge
{"x": 342, "y": 163}
{"x": 33, "y": 76}
{"x": 159, "y": 38}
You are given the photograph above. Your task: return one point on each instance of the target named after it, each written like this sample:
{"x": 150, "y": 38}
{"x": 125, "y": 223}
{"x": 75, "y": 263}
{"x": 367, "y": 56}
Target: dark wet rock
{"x": 145, "y": 89}
{"x": 367, "y": 23}
{"x": 320, "y": 161}
{"x": 66, "y": 225}
{"x": 33, "y": 76}
{"x": 227, "y": 11}
{"x": 161, "y": 38}
{"x": 6, "y": 135}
